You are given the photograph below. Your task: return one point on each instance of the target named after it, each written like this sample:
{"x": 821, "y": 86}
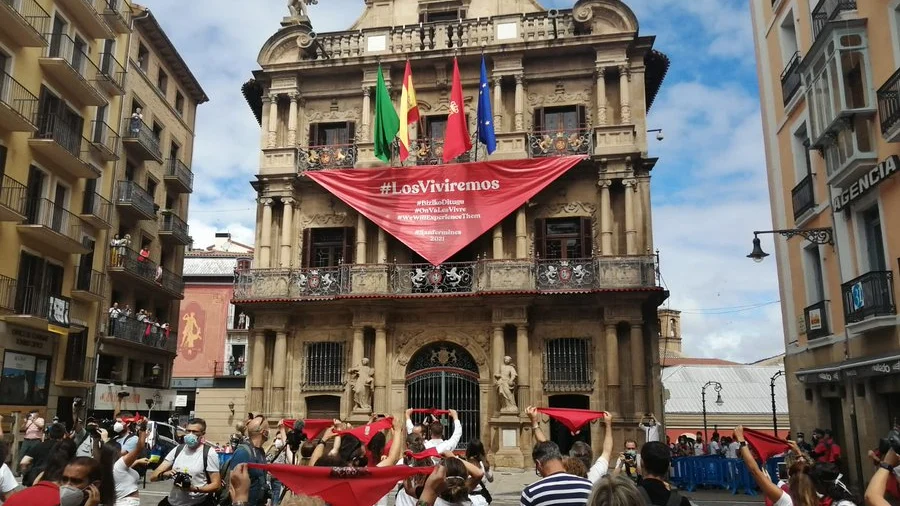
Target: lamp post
{"x": 813, "y": 235}
{"x": 772, "y": 387}
{"x": 719, "y": 401}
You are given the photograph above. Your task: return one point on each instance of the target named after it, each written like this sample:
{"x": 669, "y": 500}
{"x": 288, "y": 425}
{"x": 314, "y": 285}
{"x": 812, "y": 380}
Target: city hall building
{"x": 562, "y": 279}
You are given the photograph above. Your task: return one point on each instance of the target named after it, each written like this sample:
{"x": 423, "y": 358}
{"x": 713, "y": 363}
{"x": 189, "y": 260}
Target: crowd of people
{"x": 144, "y": 324}
{"x": 405, "y": 461}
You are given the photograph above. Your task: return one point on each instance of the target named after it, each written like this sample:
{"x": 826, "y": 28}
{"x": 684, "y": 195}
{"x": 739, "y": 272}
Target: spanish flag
{"x": 409, "y": 111}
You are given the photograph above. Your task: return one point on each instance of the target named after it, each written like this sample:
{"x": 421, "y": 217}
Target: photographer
{"x": 194, "y": 468}
{"x": 252, "y": 453}
{"x": 629, "y": 461}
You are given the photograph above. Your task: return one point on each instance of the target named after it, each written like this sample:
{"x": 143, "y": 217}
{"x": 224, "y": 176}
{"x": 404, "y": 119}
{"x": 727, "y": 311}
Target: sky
{"x": 709, "y": 187}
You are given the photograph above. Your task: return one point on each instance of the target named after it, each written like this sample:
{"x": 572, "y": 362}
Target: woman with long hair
{"x": 827, "y": 478}
{"x": 476, "y": 456}
{"x": 118, "y": 471}
{"x": 461, "y": 479}
{"x": 801, "y": 487}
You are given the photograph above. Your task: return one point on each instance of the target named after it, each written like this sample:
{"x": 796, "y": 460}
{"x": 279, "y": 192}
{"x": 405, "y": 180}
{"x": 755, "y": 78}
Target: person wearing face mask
{"x": 252, "y": 453}
{"x": 80, "y": 484}
{"x": 629, "y": 461}
{"x": 123, "y": 431}
{"x": 196, "y": 460}
{"x": 120, "y": 467}
{"x": 277, "y": 454}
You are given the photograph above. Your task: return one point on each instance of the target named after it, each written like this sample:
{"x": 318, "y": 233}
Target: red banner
{"x": 438, "y": 210}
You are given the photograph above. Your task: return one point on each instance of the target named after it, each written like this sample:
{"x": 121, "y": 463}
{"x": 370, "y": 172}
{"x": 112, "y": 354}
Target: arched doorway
{"x": 561, "y": 435}
{"x": 444, "y": 375}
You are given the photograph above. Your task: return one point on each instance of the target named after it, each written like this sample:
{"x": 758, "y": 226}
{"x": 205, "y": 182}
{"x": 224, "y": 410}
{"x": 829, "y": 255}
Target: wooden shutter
{"x": 587, "y": 237}
{"x": 540, "y": 247}
{"x": 351, "y": 133}
{"x": 3, "y": 162}
{"x": 582, "y": 117}
{"x": 307, "y": 247}
{"x": 349, "y": 245}
{"x": 313, "y": 135}
{"x": 538, "y": 120}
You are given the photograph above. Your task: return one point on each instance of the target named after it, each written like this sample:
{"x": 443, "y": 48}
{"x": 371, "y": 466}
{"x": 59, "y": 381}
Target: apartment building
{"x": 830, "y": 94}
{"x": 562, "y": 288}
{"x": 63, "y": 95}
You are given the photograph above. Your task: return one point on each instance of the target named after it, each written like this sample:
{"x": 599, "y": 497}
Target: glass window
{"x": 331, "y": 134}
{"x": 871, "y": 225}
{"x": 565, "y": 238}
{"x": 143, "y": 57}
{"x": 815, "y": 285}
{"x": 25, "y": 379}
{"x": 567, "y": 364}
{"x": 329, "y": 247}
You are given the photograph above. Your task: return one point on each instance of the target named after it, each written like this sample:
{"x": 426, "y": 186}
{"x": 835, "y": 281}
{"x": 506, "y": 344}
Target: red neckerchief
{"x": 312, "y": 427}
{"x": 341, "y": 485}
{"x": 573, "y": 419}
{"x": 428, "y": 453}
{"x": 434, "y": 412}
{"x": 766, "y": 446}
{"x": 367, "y": 432}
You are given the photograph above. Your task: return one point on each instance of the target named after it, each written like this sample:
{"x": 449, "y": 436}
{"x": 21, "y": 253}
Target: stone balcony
{"x": 482, "y": 277}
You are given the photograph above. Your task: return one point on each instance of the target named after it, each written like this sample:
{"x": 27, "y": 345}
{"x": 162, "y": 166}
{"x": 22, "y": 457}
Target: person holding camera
{"x": 124, "y": 426}
{"x": 193, "y": 468}
{"x": 33, "y": 426}
{"x": 629, "y": 461}
{"x": 35, "y": 460}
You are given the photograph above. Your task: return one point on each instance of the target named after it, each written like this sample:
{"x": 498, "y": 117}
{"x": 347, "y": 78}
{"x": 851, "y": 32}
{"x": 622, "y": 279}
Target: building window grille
{"x": 568, "y": 365}
{"x": 324, "y": 365}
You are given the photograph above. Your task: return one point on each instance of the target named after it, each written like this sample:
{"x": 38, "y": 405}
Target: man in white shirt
{"x": 195, "y": 459}
{"x": 699, "y": 447}
{"x": 437, "y": 432}
{"x": 650, "y": 426}
{"x": 714, "y": 448}
{"x": 732, "y": 451}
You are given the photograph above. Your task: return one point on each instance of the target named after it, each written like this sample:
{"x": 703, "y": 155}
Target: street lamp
{"x": 719, "y": 401}
{"x": 155, "y": 370}
{"x": 772, "y": 386}
{"x": 813, "y": 235}
{"x": 659, "y": 133}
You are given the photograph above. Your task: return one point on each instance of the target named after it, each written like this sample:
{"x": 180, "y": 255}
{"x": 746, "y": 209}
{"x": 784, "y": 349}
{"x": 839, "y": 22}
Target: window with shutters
{"x": 559, "y": 131}
{"x": 332, "y": 134}
{"x": 563, "y": 238}
{"x": 568, "y": 365}
{"x": 328, "y": 247}
{"x": 429, "y": 148}
{"x": 331, "y": 146}
{"x": 324, "y": 364}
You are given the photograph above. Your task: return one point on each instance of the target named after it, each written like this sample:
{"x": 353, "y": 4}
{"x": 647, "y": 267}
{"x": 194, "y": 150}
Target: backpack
{"x": 223, "y": 497}
{"x": 674, "y": 498}
{"x": 205, "y": 458}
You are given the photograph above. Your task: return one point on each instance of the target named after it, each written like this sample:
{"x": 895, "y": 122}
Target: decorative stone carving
{"x": 353, "y": 114}
{"x": 560, "y": 97}
{"x": 323, "y": 219}
{"x": 410, "y": 341}
{"x": 604, "y": 16}
{"x": 362, "y": 379}
{"x": 505, "y": 381}
{"x": 559, "y": 209}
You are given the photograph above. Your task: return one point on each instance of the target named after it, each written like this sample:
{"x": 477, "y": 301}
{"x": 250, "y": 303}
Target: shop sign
{"x": 880, "y": 369}
{"x": 181, "y": 401}
{"x": 105, "y": 396}
{"x": 820, "y": 377}
{"x": 866, "y": 183}
{"x": 27, "y": 341}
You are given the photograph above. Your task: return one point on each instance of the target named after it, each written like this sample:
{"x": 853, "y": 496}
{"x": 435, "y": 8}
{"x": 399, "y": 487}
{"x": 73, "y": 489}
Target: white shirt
{"x": 7, "y": 480}
{"x": 651, "y": 432}
{"x": 443, "y": 445}
{"x": 713, "y": 448}
{"x": 732, "y": 450}
{"x": 403, "y": 499}
{"x": 598, "y": 470}
{"x": 85, "y": 448}
{"x": 699, "y": 449}
{"x": 126, "y": 479}
{"x": 191, "y": 461}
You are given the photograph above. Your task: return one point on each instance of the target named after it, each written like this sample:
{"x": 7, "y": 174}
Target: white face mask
{"x": 279, "y": 444}
{"x": 118, "y": 427}
{"x": 70, "y": 496}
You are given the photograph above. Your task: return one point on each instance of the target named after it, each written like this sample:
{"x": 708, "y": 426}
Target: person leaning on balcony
{"x": 114, "y": 244}
{"x": 114, "y": 313}
{"x": 136, "y": 119}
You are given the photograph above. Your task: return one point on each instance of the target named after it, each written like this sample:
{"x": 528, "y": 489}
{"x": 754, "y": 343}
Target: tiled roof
{"x": 209, "y": 266}
{"x": 673, "y": 361}
{"x": 745, "y": 389}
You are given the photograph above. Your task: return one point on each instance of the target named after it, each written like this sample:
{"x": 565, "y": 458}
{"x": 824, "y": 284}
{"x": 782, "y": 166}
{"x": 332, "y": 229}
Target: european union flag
{"x": 485, "y": 116}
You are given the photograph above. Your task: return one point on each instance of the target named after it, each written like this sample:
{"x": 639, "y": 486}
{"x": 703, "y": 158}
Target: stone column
{"x": 605, "y": 218}
{"x": 380, "y": 364}
{"x": 257, "y": 370}
{"x": 264, "y": 121}
{"x": 630, "y": 230}
{"x": 382, "y": 246}
{"x": 521, "y": 234}
{"x": 612, "y": 368}
{"x": 520, "y": 102}
{"x": 600, "y": 73}
{"x": 638, "y": 369}
{"x": 524, "y": 366}
{"x": 292, "y": 120}
{"x": 498, "y": 104}
{"x": 367, "y": 106}
{"x": 287, "y": 231}
{"x": 360, "y": 240}
{"x": 273, "y": 121}
{"x": 497, "y": 349}
{"x": 625, "y": 93}
{"x": 356, "y": 351}
{"x": 498, "y": 241}
{"x": 265, "y": 246}
{"x": 279, "y": 373}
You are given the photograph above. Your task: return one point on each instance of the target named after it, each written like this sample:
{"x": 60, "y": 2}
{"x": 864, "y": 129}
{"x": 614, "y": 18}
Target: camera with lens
{"x": 78, "y": 403}
{"x": 181, "y": 480}
{"x": 295, "y": 437}
{"x": 890, "y": 442}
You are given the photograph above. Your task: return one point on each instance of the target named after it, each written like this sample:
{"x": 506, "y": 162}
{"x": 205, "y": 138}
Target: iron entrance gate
{"x": 445, "y": 376}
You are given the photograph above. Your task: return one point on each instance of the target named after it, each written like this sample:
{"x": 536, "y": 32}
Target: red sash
{"x": 573, "y": 419}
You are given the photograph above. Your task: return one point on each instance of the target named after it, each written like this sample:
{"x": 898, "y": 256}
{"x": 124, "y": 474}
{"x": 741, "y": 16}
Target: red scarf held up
{"x": 573, "y": 419}
{"x": 365, "y": 433}
{"x": 766, "y": 446}
{"x": 341, "y": 486}
{"x": 434, "y": 412}
{"x": 428, "y": 453}
{"x": 311, "y": 427}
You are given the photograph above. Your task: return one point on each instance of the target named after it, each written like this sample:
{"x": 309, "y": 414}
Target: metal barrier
{"x": 688, "y": 473}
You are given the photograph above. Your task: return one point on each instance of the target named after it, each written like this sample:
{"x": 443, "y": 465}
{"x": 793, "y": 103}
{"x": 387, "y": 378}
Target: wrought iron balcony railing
{"x": 136, "y": 129}
{"x": 112, "y": 70}
{"x": 575, "y": 141}
{"x": 33, "y": 15}
{"x": 95, "y": 204}
{"x": 17, "y": 98}
{"x": 129, "y": 192}
{"x": 803, "y": 196}
{"x": 869, "y": 295}
{"x": 889, "y": 103}
{"x": 431, "y": 152}
{"x": 131, "y": 262}
{"x": 171, "y": 223}
{"x": 65, "y": 47}
{"x": 63, "y": 133}
{"x": 828, "y": 10}
{"x": 175, "y": 168}
{"x": 78, "y": 367}
{"x": 32, "y": 301}
{"x": 152, "y": 334}
{"x": 816, "y": 317}
{"x": 12, "y": 195}
{"x": 105, "y": 139}
{"x": 54, "y": 216}
{"x": 89, "y": 280}
{"x": 335, "y": 156}
{"x": 482, "y": 276}
{"x": 790, "y": 78}
{"x": 232, "y": 369}
{"x": 7, "y": 293}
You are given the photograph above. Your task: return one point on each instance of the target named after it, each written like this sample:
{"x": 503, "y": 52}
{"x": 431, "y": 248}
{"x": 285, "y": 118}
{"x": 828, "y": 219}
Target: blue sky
{"x": 709, "y": 188}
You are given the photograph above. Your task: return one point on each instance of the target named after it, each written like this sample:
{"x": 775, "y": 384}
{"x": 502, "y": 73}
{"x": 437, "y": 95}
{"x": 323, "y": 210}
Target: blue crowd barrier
{"x": 688, "y": 473}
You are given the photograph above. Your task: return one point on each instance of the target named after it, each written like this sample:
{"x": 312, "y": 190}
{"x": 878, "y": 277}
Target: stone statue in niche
{"x": 299, "y": 9}
{"x": 505, "y": 380}
{"x": 362, "y": 380}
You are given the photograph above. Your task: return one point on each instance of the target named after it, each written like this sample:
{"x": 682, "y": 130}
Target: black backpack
{"x": 674, "y": 498}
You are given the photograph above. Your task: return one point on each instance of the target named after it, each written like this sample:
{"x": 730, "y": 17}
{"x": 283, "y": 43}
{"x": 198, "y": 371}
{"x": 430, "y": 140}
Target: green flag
{"x": 387, "y": 123}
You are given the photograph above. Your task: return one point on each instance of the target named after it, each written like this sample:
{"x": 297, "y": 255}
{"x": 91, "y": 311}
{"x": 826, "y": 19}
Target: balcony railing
{"x": 7, "y": 293}
{"x": 54, "y": 216}
{"x": 131, "y": 262}
{"x": 136, "y": 129}
{"x": 17, "y": 98}
{"x": 105, "y": 139}
{"x": 790, "y": 78}
{"x": 63, "y": 133}
{"x": 63, "y": 46}
{"x": 232, "y": 369}
{"x": 171, "y": 223}
{"x": 175, "y": 168}
{"x": 12, "y": 195}
{"x": 34, "y": 16}
{"x": 90, "y": 281}
{"x": 576, "y": 141}
{"x": 803, "y": 196}
{"x": 482, "y": 276}
{"x": 112, "y": 70}
{"x": 117, "y": 14}
{"x": 144, "y": 332}
{"x": 816, "y": 317}
{"x": 431, "y": 152}
{"x": 828, "y": 10}
{"x": 889, "y": 103}
{"x": 32, "y": 301}
{"x": 336, "y": 156}
{"x": 130, "y": 193}
{"x": 78, "y": 368}
{"x": 95, "y": 204}
{"x": 869, "y": 295}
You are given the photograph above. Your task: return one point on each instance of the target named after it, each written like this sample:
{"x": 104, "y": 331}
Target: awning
{"x": 864, "y": 367}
